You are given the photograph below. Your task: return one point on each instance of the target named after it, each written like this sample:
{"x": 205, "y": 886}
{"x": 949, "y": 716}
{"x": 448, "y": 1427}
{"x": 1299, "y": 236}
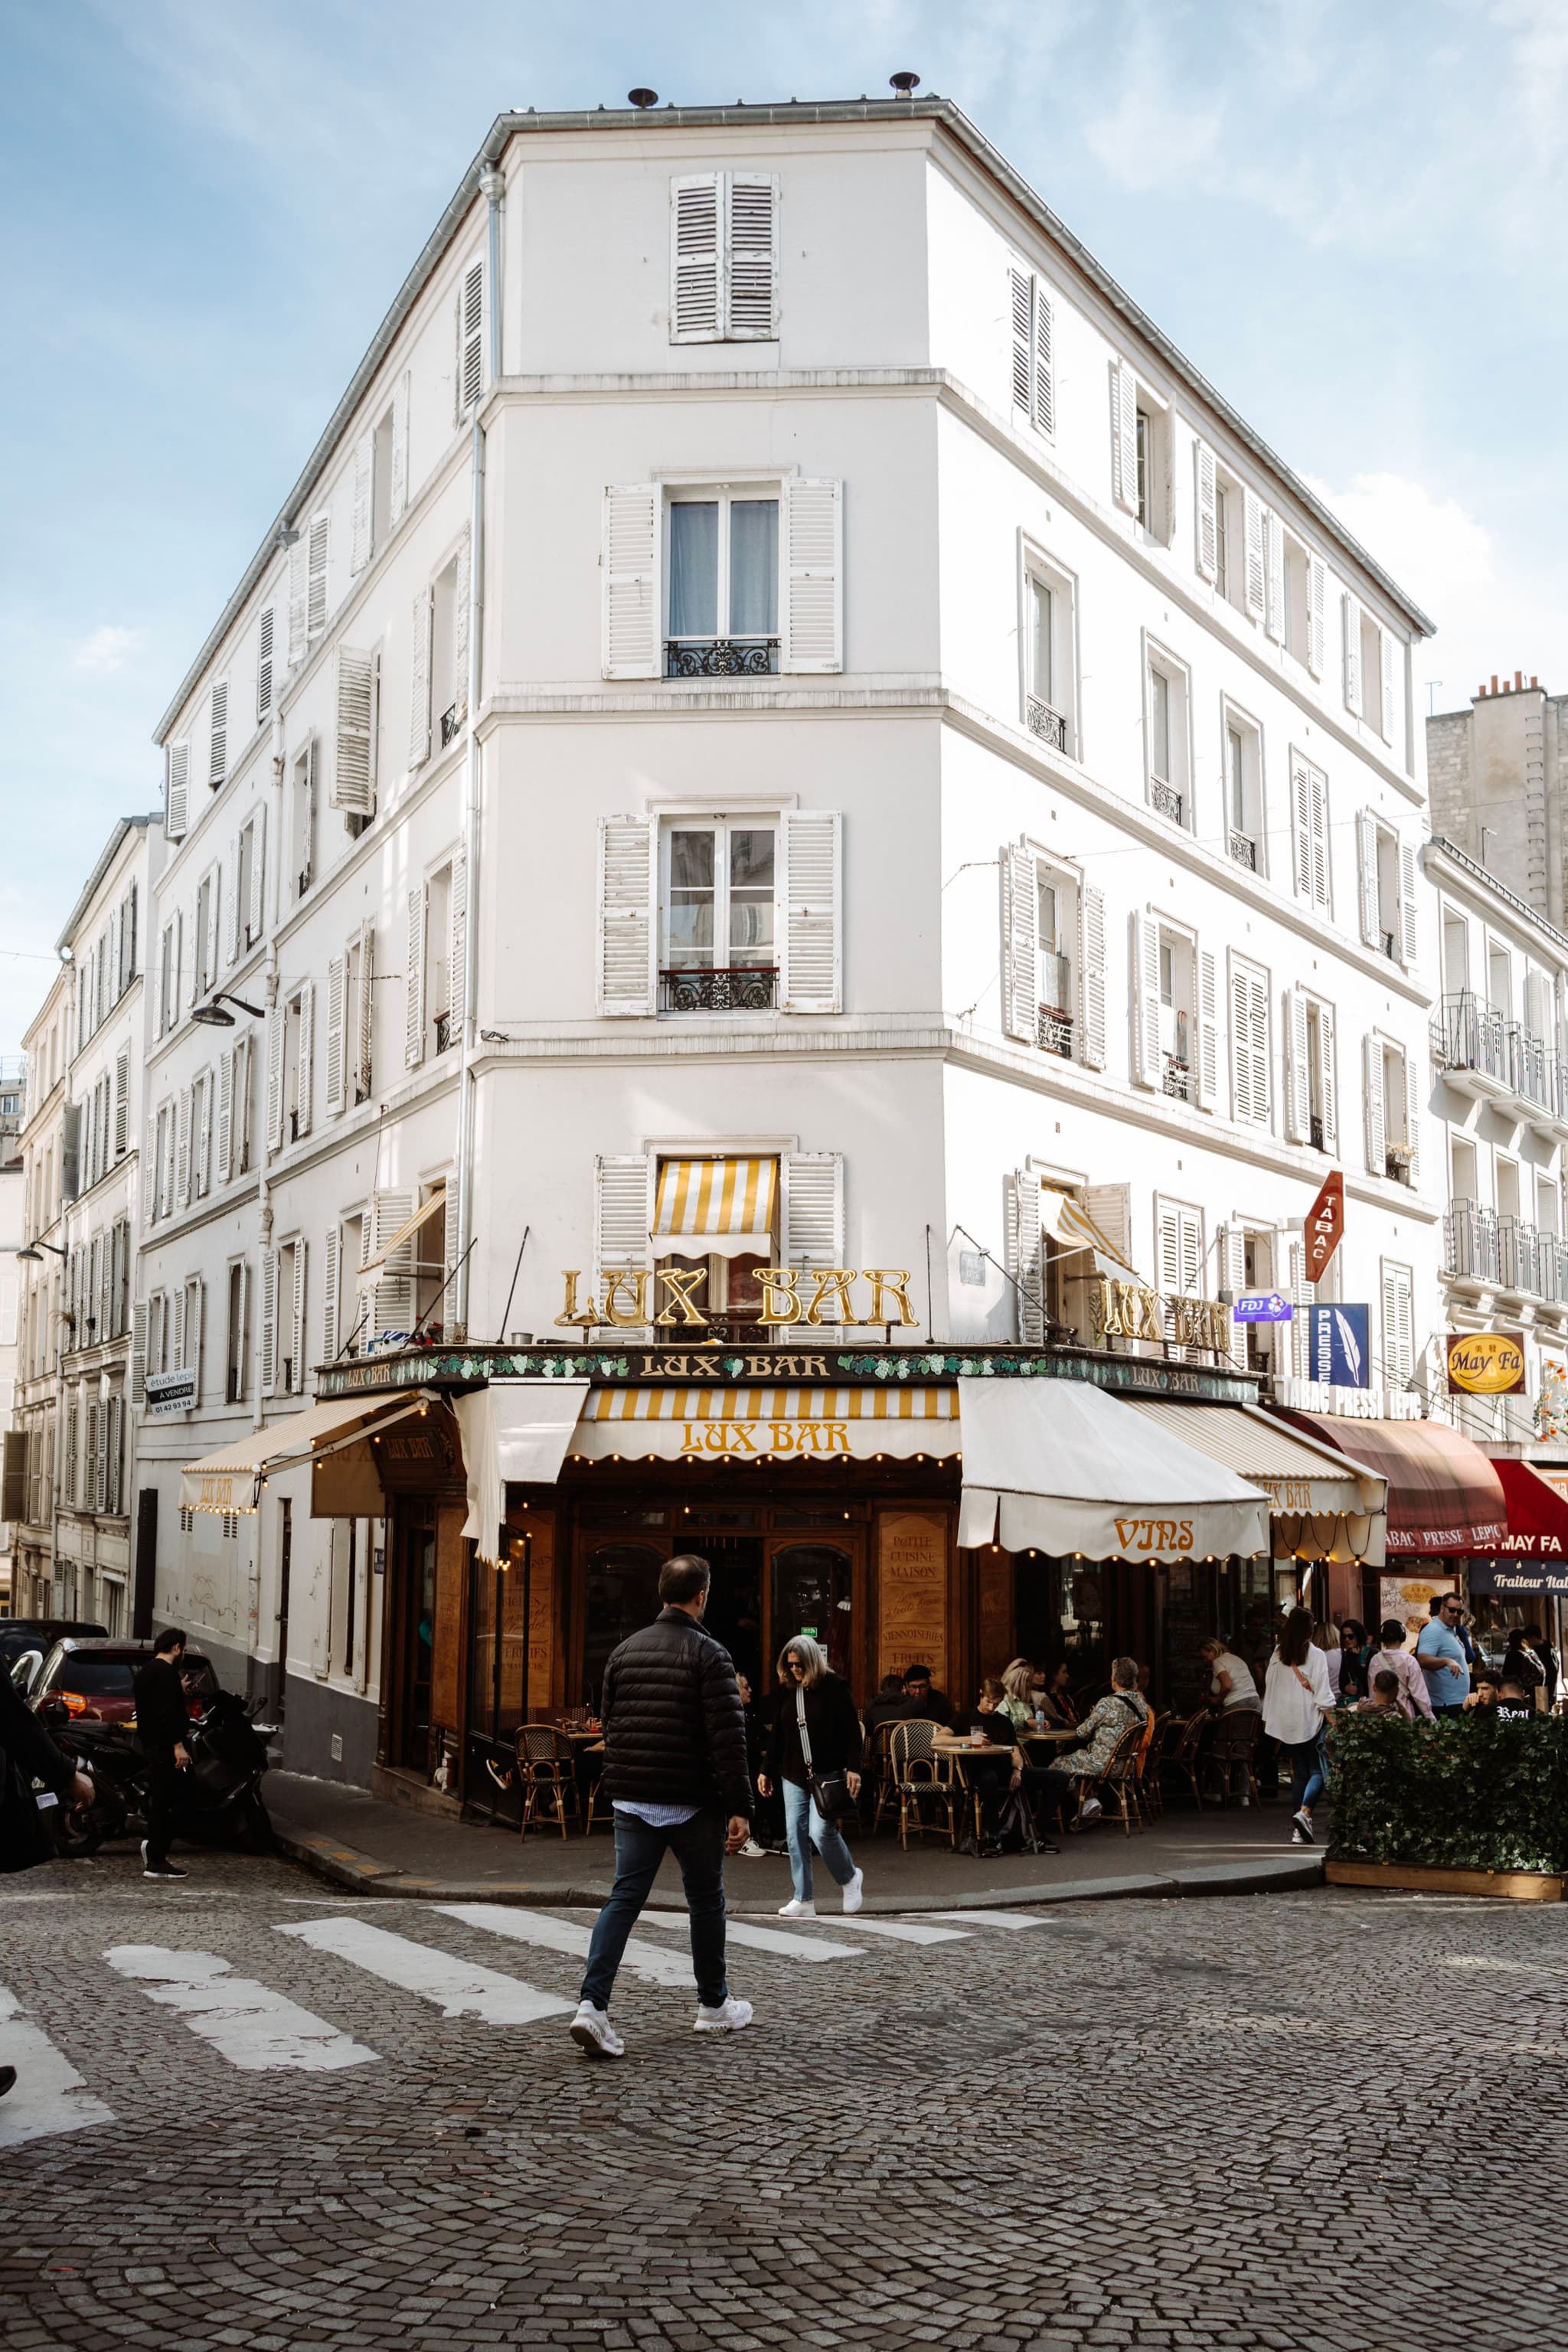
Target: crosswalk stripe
{"x": 459, "y": 1987}
{"x": 904, "y": 1931}
{"x": 763, "y": 1939}
{"x": 253, "y": 2027}
{"x": 993, "y": 1918}
{"x": 50, "y": 2095}
{"x": 529, "y": 1927}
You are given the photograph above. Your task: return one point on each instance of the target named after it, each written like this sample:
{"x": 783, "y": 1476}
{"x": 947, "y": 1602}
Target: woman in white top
{"x": 1230, "y": 1678}
{"x": 1296, "y": 1698}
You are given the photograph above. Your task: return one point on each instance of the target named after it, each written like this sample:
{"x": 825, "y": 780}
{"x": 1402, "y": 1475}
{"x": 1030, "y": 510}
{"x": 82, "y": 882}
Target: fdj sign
{"x": 668, "y": 1295}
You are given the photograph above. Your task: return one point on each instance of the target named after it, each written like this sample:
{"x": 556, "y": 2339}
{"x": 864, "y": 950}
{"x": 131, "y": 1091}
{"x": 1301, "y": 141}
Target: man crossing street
{"x": 162, "y": 1722}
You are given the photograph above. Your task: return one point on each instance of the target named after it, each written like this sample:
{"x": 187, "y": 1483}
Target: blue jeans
{"x": 804, "y": 1827}
{"x": 1306, "y": 1773}
{"x": 697, "y": 1846}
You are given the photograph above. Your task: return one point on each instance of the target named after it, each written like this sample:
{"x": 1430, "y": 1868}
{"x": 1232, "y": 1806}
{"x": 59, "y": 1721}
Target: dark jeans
{"x": 697, "y": 1846}
{"x": 1306, "y": 1772}
{"x": 161, "y": 1768}
{"x": 1047, "y": 1789}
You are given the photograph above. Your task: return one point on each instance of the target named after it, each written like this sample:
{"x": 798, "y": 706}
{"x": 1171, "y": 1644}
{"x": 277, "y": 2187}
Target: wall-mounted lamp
{"x": 214, "y": 1016}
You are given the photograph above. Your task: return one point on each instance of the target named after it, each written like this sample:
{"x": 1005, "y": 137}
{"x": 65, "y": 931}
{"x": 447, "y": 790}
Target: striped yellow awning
{"x": 723, "y": 1207}
{"x": 748, "y": 1423}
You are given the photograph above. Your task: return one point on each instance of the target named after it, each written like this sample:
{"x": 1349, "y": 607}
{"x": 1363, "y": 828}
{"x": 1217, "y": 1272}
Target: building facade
{"x": 776, "y": 762}
{"x": 46, "y": 1053}
{"x": 13, "y": 1445}
{"x": 1496, "y": 773}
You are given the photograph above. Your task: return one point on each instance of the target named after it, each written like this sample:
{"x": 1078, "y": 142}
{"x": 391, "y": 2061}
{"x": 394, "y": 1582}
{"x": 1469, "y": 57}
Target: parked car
{"x": 19, "y": 1635}
{"x": 93, "y": 1681}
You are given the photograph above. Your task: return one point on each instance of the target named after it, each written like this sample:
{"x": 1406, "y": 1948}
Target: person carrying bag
{"x": 815, "y": 1758}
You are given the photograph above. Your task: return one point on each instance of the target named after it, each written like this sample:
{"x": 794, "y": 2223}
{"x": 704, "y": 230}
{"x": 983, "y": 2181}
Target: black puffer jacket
{"x": 674, "y": 1730}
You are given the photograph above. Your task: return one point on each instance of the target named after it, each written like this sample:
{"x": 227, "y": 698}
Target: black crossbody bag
{"x": 829, "y": 1791}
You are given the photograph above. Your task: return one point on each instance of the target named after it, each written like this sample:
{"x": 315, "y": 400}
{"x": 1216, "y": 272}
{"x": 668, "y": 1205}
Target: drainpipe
{"x": 272, "y": 915}
{"x": 494, "y": 188}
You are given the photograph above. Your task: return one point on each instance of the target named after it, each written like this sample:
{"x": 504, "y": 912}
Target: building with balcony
{"x": 836, "y": 756}
{"x": 1499, "y": 1111}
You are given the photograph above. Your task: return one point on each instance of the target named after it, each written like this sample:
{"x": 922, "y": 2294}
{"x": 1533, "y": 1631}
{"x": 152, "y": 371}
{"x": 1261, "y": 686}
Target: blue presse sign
{"x": 1338, "y": 1345}
{"x": 1261, "y": 1307}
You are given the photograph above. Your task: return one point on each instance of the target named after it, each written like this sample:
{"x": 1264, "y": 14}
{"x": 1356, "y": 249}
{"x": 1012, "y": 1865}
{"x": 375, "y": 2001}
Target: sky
{"x": 1347, "y": 215}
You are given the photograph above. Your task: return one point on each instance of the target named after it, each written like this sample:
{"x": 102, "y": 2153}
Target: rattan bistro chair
{"x": 546, "y": 1769}
{"x": 1148, "y": 1791}
{"x": 1233, "y": 1748}
{"x": 920, "y": 1779}
{"x": 1183, "y": 1756}
{"x": 877, "y": 1774}
{"x": 1119, "y": 1781}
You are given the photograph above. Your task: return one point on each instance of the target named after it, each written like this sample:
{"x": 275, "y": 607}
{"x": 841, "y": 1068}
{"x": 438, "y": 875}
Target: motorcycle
{"x": 217, "y": 1799}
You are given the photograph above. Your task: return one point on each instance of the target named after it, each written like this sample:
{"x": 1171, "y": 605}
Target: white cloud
{"x": 108, "y": 650}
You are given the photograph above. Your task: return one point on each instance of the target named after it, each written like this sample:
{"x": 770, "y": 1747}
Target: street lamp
{"x": 33, "y": 1253}
{"x": 215, "y": 1015}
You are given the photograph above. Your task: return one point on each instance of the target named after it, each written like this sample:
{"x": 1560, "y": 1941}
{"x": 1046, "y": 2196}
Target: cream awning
{"x": 512, "y": 1430}
{"x": 1069, "y": 1226}
{"x": 232, "y": 1478}
{"x": 748, "y": 1423}
{"x": 1058, "y": 1466}
{"x": 715, "y": 1208}
{"x": 1323, "y": 1507}
{"x": 373, "y": 1269}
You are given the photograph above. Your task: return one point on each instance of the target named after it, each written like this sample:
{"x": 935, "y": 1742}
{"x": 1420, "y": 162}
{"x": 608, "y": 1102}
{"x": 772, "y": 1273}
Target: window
{"x": 1032, "y": 383}
{"x": 450, "y": 647}
{"x": 436, "y": 950}
{"x": 1499, "y": 980}
{"x": 266, "y": 641}
{"x": 1175, "y": 1024}
{"x": 431, "y": 1248}
{"x": 302, "y": 792}
{"x": 718, "y": 952}
{"x": 249, "y": 877}
{"x": 381, "y": 482}
{"x": 1175, "y": 1004}
{"x": 202, "y": 1135}
{"x": 1388, "y": 905}
{"x": 158, "y": 1333}
{"x": 298, "y": 1044}
{"x": 1139, "y": 451}
{"x": 723, "y": 563}
{"x": 169, "y": 976}
{"x": 1053, "y": 957}
{"x": 1180, "y": 1260}
{"x": 1243, "y": 754}
{"x": 1166, "y": 718}
{"x": 726, "y": 1291}
{"x": 359, "y": 1023}
{"x": 217, "y": 753}
{"x": 1249, "y": 1044}
{"x": 1222, "y": 573}
{"x": 723, "y": 258}
{"x": 1050, "y": 653}
{"x": 237, "y": 1344}
{"x": 1391, "y": 1079}
{"x": 1464, "y": 1182}
{"x": 205, "y": 943}
{"x": 283, "y": 1318}
{"x": 164, "y": 1161}
{"x": 1398, "y": 1326}
{"x": 438, "y": 957}
{"x": 1322, "y": 1123}
{"x": 189, "y": 1314}
{"x": 347, "y": 1312}
{"x": 308, "y": 587}
{"x": 1310, "y": 833}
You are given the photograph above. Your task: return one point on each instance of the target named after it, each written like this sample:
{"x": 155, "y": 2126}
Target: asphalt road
{"x": 255, "y": 2113}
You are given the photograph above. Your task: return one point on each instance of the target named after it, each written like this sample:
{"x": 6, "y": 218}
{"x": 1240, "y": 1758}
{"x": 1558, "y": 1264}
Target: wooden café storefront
{"x": 955, "y": 1507}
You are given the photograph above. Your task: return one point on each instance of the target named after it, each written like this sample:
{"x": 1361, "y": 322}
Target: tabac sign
{"x": 669, "y": 1296}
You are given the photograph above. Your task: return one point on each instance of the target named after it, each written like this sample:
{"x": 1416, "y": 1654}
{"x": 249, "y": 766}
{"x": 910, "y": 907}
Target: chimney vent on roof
{"x": 906, "y": 84}
{"x": 642, "y": 97}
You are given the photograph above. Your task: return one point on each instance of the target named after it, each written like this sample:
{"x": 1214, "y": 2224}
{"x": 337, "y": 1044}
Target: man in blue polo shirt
{"x": 1440, "y": 1654}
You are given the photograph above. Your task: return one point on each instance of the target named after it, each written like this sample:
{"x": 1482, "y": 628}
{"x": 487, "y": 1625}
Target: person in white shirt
{"x": 1296, "y": 1698}
{"x": 1230, "y": 1678}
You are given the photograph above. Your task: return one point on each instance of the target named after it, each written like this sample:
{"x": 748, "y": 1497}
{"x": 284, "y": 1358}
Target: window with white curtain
{"x": 723, "y": 616}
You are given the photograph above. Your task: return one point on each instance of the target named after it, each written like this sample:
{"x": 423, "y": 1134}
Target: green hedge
{"x": 1470, "y": 1794}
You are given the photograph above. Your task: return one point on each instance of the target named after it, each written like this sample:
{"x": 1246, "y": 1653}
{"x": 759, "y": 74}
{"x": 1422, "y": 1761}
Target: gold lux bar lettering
{"x": 1124, "y": 1310}
{"x": 632, "y": 1297}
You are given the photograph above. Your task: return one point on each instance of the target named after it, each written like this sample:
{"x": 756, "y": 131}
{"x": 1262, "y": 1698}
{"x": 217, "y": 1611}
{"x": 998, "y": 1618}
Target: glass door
{"x": 813, "y": 1593}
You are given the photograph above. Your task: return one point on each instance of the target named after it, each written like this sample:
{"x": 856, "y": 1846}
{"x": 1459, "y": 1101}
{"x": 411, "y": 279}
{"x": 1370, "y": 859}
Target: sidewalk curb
{"x": 344, "y": 1866}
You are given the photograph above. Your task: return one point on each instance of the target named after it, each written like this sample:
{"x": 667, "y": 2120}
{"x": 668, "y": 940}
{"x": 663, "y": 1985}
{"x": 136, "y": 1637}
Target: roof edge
{"x": 106, "y": 857}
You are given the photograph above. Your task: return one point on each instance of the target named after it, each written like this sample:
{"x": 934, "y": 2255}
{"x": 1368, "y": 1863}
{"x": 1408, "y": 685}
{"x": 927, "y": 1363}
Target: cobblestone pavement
{"x": 1221, "y": 2124}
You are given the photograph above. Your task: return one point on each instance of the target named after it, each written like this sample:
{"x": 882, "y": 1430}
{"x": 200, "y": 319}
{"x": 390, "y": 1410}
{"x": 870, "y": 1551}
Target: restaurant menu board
{"x": 448, "y": 1634}
{"x": 1189, "y": 1619}
{"x": 1407, "y": 1597}
{"x": 541, "y": 1692}
{"x": 911, "y": 1558}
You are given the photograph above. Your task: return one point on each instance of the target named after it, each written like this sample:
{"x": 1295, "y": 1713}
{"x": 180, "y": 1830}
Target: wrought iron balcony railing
{"x": 724, "y": 988}
{"x": 1243, "y": 850}
{"x": 1165, "y": 798}
{"x": 1050, "y": 725}
{"x": 720, "y": 656}
{"x": 1054, "y": 1034}
{"x": 451, "y": 720}
{"x": 1317, "y": 1131}
{"x": 443, "y": 1032}
{"x": 1469, "y": 1038}
{"x": 1177, "y": 1079}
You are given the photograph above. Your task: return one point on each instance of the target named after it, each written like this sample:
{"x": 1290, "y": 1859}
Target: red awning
{"x": 1443, "y": 1496}
{"x": 1537, "y": 1514}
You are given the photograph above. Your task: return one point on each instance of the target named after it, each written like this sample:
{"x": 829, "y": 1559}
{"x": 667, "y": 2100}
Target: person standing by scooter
{"x": 162, "y": 1722}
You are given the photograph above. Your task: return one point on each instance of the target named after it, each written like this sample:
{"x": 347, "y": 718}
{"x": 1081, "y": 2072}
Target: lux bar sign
{"x": 667, "y": 1296}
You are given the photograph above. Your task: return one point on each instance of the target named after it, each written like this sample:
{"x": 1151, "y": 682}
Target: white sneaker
{"x": 855, "y": 1892}
{"x": 1092, "y": 1809}
{"x": 796, "y": 1909}
{"x": 752, "y": 1851}
{"x": 730, "y": 2018}
{"x": 1297, "y": 1839}
{"x": 594, "y": 2035}
{"x": 1303, "y": 1821}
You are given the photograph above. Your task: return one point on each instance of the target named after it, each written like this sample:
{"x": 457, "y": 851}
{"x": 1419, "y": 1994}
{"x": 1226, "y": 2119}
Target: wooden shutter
{"x": 122, "y": 1102}
{"x": 149, "y": 1171}
{"x": 269, "y": 1322}
{"x": 203, "y": 1137}
{"x": 1091, "y": 977}
{"x": 1372, "y": 1088}
{"x": 256, "y": 918}
{"x": 337, "y": 1004}
{"x": 298, "y": 601}
{"x": 633, "y": 517}
{"x": 360, "y": 523}
{"x": 458, "y": 949}
{"x": 1386, "y": 686}
{"x": 1109, "y": 1206}
{"x": 1233, "y": 1268}
{"x": 810, "y": 931}
{"x": 413, "y": 1039}
{"x": 392, "y": 1298}
{"x": 316, "y": 592}
{"x": 1328, "y": 1079}
{"x": 1124, "y": 436}
{"x": 1207, "y": 511}
{"x": 1349, "y": 621}
{"x": 1301, "y": 825}
{"x": 265, "y": 636}
{"x": 297, "y": 1337}
{"x": 1252, "y": 534}
{"x": 811, "y": 637}
{"x": 138, "y": 1355}
{"x": 1408, "y": 934}
{"x": 1043, "y": 408}
{"x": 1252, "y": 1016}
{"x": 176, "y": 786}
{"x": 236, "y": 901}
{"x": 397, "y": 501}
{"x": 696, "y": 267}
{"x": 419, "y": 704}
{"x": 1274, "y": 577}
{"x": 1366, "y": 865}
{"x": 176, "y": 1361}
{"x": 470, "y": 326}
{"x": 1025, "y": 1258}
{"x": 1024, "y": 344}
{"x": 360, "y": 1078}
{"x": 1412, "y": 1124}
{"x": 195, "y": 1330}
{"x": 1146, "y": 1063}
{"x": 305, "y": 1077}
{"x": 217, "y": 760}
{"x": 1168, "y": 1248}
{"x": 1209, "y": 1028}
{"x": 628, "y": 914}
{"x": 182, "y": 1159}
{"x": 462, "y": 598}
{"x": 1322, "y": 891}
{"x": 275, "y": 1025}
{"x": 226, "y": 1116}
{"x": 812, "y": 1184}
{"x": 354, "y": 757}
{"x": 1317, "y": 615}
{"x": 331, "y": 1250}
{"x": 1398, "y": 1335}
{"x": 622, "y": 1215}
{"x": 1297, "y": 1075}
{"x": 1020, "y": 944}
{"x": 751, "y": 274}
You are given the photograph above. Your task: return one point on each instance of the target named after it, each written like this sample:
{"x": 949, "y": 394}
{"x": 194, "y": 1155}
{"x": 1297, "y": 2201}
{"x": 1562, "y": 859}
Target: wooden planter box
{"x": 1428, "y": 1879}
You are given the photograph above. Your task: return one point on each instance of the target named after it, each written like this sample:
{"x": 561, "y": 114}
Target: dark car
{"x": 20, "y": 1634}
{"x": 93, "y": 1681}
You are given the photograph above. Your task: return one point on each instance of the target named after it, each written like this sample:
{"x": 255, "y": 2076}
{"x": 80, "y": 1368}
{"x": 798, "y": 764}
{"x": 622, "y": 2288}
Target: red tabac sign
{"x": 1325, "y": 1225}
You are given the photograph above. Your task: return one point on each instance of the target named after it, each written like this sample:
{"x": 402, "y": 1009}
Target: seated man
{"x": 1099, "y": 1733}
{"x": 1515, "y": 1704}
{"x": 889, "y": 1704}
{"x": 921, "y": 1701}
{"x": 1384, "y": 1694}
{"x": 1486, "y": 1690}
{"x": 998, "y": 1777}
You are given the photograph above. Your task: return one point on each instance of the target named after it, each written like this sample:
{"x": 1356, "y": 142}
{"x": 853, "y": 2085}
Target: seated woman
{"x": 1105, "y": 1725}
{"x": 1017, "y": 1679}
{"x": 1052, "y": 1696}
{"x": 1231, "y": 1680}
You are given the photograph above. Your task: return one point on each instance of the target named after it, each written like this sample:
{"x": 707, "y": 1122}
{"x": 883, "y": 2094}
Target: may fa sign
{"x": 1262, "y": 1306}
{"x": 1486, "y": 1363}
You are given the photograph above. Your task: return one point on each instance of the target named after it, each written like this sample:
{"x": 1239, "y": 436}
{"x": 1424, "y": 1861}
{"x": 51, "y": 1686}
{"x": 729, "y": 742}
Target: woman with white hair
{"x": 815, "y": 1758}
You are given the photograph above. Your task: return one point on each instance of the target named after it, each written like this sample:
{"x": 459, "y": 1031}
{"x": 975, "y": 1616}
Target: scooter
{"x": 217, "y": 1799}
